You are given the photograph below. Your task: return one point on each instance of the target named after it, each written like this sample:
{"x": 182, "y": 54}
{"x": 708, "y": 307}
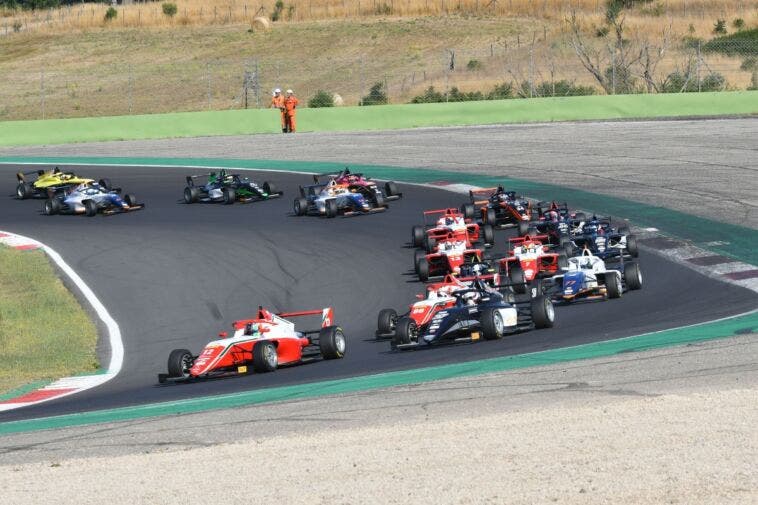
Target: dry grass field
{"x": 70, "y": 62}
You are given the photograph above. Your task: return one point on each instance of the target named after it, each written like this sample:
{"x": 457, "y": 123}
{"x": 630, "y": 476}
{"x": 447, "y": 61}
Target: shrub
{"x": 17, "y": 26}
{"x": 657, "y": 10}
{"x": 749, "y": 64}
{"x": 679, "y": 82}
{"x": 455, "y": 95}
{"x": 376, "y": 95}
{"x": 719, "y": 27}
{"x": 601, "y": 32}
{"x": 501, "y": 92}
{"x": 169, "y": 9}
{"x": 562, "y": 88}
{"x": 430, "y": 96}
{"x": 321, "y": 99}
{"x": 383, "y": 9}
{"x": 474, "y": 65}
{"x": 738, "y": 24}
{"x": 744, "y": 43}
{"x": 622, "y": 82}
{"x": 278, "y": 7}
{"x": 111, "y": 13}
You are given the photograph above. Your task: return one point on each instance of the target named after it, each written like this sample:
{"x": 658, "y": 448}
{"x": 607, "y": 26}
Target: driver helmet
{"x": 449, "y": 220}
{"x": 251, "y": 329}
{"x": 552, "y": 216}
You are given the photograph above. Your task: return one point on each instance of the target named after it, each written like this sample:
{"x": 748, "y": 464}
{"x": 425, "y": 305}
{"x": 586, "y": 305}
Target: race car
{"x": 262, "y": 343}
{"x": 588, "y": 278}
{"x": 228, "y": 188}
{"x": 478, "y": 311}
{"x": 47, "y": 182}
{"x": 439, "y": 224}
{"x": 605, "y": 241}
{"x": 558, "y": 228}
{"x": 90, "y": 199}
{"x": 331, "y": 199}
{"x": 498, "y": 207}
{"x": 438, "y": 297}
{"x": 361, "y": 184}
{"x": 542, "y": 208}
{"x": 450, "y": 255}
{"x": 531, "y": 258}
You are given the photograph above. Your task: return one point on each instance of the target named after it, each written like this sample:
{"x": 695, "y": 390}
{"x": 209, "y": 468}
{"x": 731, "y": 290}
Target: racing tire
{"x": 269, "y": 189}
{"x": 130, "y": 200}
{"x": 387, "y": 321}
{"x": 106, "y": 183}
{"x": 632, "y": 276}
{"x": 331, "y": 208}
{"x": 418, "y": 255}
{"x": 563, "y": 263}
{"x": 229, "y": 196}
{"x": 300, "y": 206}
{"x": 265, "y": 358}
{"x": 468, "y": 210}
{"x": 190, "y": 195}
{"x": 429, "y": 244}
{"x": 516, "y": 276}
{"x": 406, "y": 331}
{"x": 490, "y": 217}
{"x": 532, "y": 231}
{"x": 543, "y": 312}
{"x": 567, "y": 246}
{"x": 417, "y": 236}
{"x": 423, "y": 270}
{"x": 523, "y": 228}
{"x": 332, "y": 342}
{"x": 179, "y": 363}
{"x": 631, "y": 246}
{"x": 378, "y": 200}
{"x": 613, "y": 285}
{"x": 50, "y": 208}
{"x": 580, "y": 216}
{"x": 624, "y": 230}
{"x": 492, "y": 323}
{"x": 390, "y": 189}
{"x": 488, "y": 234}
{"x": 24, "y": 190}
{"x": 90, "y": 208}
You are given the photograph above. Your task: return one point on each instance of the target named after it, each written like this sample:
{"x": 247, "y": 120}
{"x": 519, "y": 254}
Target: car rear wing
{"x": 521, "y": 240}
{"x": 327, "y": 315}
{"x": 221, "y": 173}
{"x": 21, "y": 176}
{"x": 440, "y": 212}
{"x": 481, "y": 196}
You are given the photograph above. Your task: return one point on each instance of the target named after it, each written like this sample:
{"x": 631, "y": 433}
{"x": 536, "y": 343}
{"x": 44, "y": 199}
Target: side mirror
{"x": 419, "y": 297}
{"x": 223, "y": 334}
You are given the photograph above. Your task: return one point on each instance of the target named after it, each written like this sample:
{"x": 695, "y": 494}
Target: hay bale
{"x": 338, "y": 101}
{"x": 261, "y": 23}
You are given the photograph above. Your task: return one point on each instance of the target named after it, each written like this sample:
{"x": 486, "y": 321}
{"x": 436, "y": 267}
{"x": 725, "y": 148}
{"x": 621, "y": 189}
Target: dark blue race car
{"x": 331, "y": 199}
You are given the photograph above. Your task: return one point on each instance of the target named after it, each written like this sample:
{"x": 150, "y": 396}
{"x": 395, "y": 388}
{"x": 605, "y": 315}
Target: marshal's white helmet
{"x": 289, "y": 91}
{"x": 277, "y": 90}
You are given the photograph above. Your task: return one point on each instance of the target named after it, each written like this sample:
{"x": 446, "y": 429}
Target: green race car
{"x": 228, "y": 188}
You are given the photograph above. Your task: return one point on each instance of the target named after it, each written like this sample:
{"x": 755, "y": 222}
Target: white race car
{"x": 588, "y": 278}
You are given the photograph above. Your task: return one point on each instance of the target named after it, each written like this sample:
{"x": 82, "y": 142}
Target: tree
{"x": 321, "y": 99}
{"x": 376, "y": 95}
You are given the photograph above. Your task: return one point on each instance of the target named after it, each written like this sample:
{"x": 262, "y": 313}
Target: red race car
{"x": 448, "y": 258}
{"x": 499, "y": 207}
{"x": 264, "y": 343}
{"x": 439, "y": 224}
{"x": 438, "y": 297}
{"x": 532, "y": 258}
{"x": 362, "y": 184}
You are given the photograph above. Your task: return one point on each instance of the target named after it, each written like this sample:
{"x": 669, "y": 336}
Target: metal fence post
{"x": 257, "y": 84}
{"x": 613, "y": 72}
{"x": 208, "y": 70}
{"x": 129, "y": 90}
{"x": 42, "y": 90}
{"x": 531, "y": 70}
{"x": 697, "y": 68}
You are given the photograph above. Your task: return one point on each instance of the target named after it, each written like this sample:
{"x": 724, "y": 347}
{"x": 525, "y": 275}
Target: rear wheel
{"x": 390, "y": 189}
{"x": 106, "y": 183}
{"x": 631, "y": 246}
{"x": 418, "y": 255}
{"x": 90, "y": 208}
{"x": 580, "y": 216}
{"x": 300, "y": 206}
{"x": 563, "y": 263}
{"x": 179, "y": 363}
{"x": 24, "y": 190}
{"x": 423, "y": 270}
{"x": 632, "y": 276}
{"x": 265, "y": 358}
{"x": 331, "y": 342}
{"x": 269, "y": 189}
{"x": 190, "y": 195}
{"x": 624, "y": 230}
{"x": 229, "y": 196}
{"x": 516, "y": 275}
{"x": 543, "y": 312}
{"x": 387, "y": 321}
{"x": 493, "y": 325}
{"x": 468, "y": 210}
{"x": 567, "y": 246}
{"x": 417, "y": 236}
{"x": 523, "y": 228}
{"x": 130, "y": 200}
{"x": 49, "y": 208}
{"x": 613, "y": 285}
{"x": 331, "y": 208}
{"x": 488, "y": 234}
{"x": 490, "y": 217}
{"x": 406, "y": 331}
{"x": 430, "y": 243}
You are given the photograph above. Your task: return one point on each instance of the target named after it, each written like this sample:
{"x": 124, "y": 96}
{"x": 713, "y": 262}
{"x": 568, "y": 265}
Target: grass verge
{"x": 44, "y": 333}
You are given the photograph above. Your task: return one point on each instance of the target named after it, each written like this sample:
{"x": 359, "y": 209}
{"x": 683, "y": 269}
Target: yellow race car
{"x": 48, "y": 182}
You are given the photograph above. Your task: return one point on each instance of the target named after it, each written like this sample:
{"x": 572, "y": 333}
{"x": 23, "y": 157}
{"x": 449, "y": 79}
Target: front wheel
{"x": 632, "y": 276}
{"x": 331, "y": 342}
{"x": 179, "y": 363}
{"x": 23, "y": 190}
{"x": 131, "y": 200}
{"x": 631, "y": 246}
{"x": 423, "y": 270}
{"x": 490, "y": 217}
{"x": 331, "y": 208}
{"x": 300, "y": 206}
{"x": 493, "y": 326}
{"x": 543, "y": 312}
{"x": 613, "y": 285}
{"x": 229, "y": 196}
{"x": 488, "y": 234}
{"x": 387, "y": 321}
{"x": 378, "y": 200}
{"x": 468, "y": 210}
{"x": 517, "y": 277}
{"x": 90, "y": 208}
{"x": 269, "y": 189}
{"x": 390, "y": 189}
{"x": 406, "y": 331}
{"x": 50, "y": 208}
{"x": 430, "y": 244}
{"x": 190, "y": 195}
{"x": 417, "y": 236}
{"x": 265, "y": 358}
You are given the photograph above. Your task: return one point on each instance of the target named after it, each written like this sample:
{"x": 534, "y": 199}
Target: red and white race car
{"x": 264, "y": 343}
{"x": 438, "y": 297}
{"x": 439, "y": 224}
{"x": 448, "y": 258}
{"x": 531, "y": 257}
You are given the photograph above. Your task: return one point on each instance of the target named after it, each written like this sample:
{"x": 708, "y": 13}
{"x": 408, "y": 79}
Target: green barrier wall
{"x": 241, "y": 122}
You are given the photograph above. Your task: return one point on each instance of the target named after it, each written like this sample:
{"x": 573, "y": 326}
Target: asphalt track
{"x": 174, "y": 275}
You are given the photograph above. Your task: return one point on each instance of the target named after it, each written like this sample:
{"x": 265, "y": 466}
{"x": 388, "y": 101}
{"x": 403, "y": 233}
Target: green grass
{"x": 44, "y": 332}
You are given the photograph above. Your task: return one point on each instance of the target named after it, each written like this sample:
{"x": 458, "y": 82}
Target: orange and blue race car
{"x": 260, "y": 344}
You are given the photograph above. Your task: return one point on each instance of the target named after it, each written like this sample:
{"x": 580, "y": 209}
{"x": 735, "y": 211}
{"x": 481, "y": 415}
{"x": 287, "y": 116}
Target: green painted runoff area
{"x": 728, "y": 239}
{"x": 717, "y": 329}
{"x": 382, "y": 117}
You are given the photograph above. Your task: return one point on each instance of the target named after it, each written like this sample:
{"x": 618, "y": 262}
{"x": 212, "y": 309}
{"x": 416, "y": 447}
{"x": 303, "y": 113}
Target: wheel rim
{"x": 639, "y": 277}
{"x": 413, "y": 332}
{"x": 339, "y": 342}
{"x": 393, "y": 322}
{"x": 186, "y": 364}
{"x": 48, "y": 208}
{"x": 20, "y": 191}
{"x": 187, "y": 196}
{"x": 269, "y": 354}
{"x": 498, "y": 320}
{"x": 549, "y": 311}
